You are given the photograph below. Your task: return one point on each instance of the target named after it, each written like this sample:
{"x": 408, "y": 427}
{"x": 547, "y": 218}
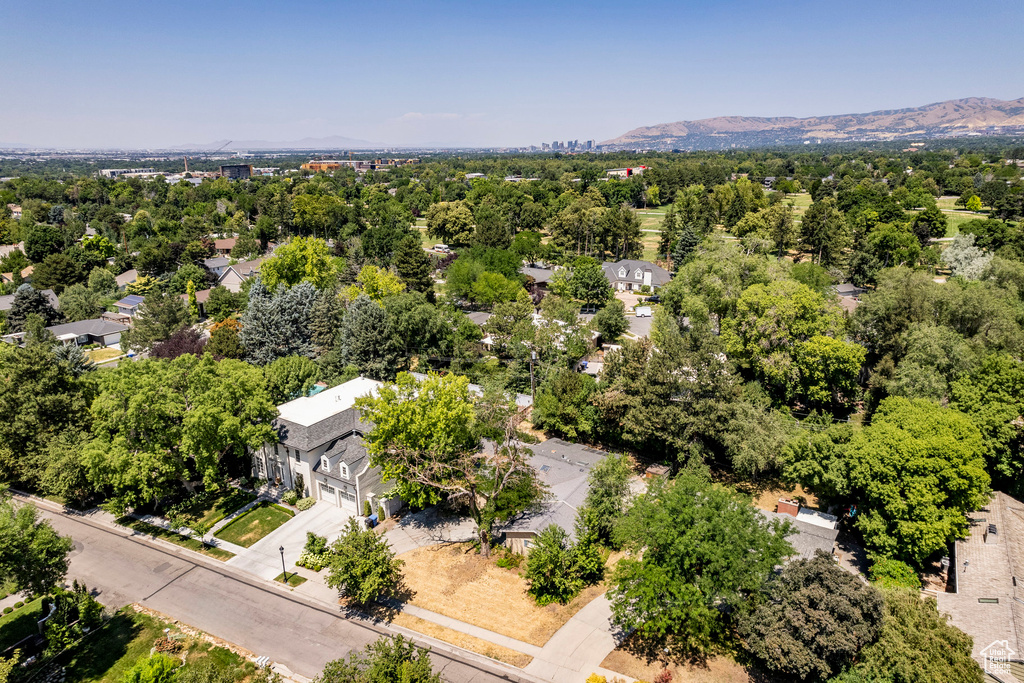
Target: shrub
{"x": 893, "y": 574}
{"x": 305, "y": 503}
{"x": 367, "y": 510}
{"x": 19, "y": 604}
{"x": 363, "y": 565}
{"x": 8, "y": 610}
{"x": 382, "y": 514}
{"x": 315, "y": 544}
{"x": 290, "y": 497}
{"x": 313, "y": 561}
{"x": 596, "y": 678}
{"x": 157, "y": 668}
{"x": 550, "y": 569}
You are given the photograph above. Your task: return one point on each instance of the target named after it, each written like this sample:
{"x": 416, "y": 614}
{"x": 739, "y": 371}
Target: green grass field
{"x": 20, "y": 624}
{"x": 176, "y": 539}
{"x": 254, "y": 524}
{"x": 208, "y": 511}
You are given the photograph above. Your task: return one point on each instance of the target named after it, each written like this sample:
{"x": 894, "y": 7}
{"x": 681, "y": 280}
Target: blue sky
{"x": 137, "y": 74}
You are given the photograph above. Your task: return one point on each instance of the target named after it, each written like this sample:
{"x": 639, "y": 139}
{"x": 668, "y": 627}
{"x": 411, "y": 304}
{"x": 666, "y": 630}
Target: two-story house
{"x": 321, "y": 438}
{"x": 630, "y": 275}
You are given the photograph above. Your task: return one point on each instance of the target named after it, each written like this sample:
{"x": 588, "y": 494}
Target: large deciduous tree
{"x": 387, "y": 660}
{"x": 816, "y": 618}
{"x": 698, "y": 551}
{"x": 33, "y": 557}
{"x": 451, "y": 222}
{"x": 363, "y": 567}
{"x": 158, "y": 424}
{"x": 303, "y": 259}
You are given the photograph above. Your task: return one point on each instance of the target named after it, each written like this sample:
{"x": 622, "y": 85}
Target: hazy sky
{"x": 150, "y": 74}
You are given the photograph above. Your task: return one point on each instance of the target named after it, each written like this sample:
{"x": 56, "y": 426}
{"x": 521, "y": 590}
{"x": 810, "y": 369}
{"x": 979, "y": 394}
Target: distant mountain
{"x": 954, "y": 118}
{"x": 331, "y": 142}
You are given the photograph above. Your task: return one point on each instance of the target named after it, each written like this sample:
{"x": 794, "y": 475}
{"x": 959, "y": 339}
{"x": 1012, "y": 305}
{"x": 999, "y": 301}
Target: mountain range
{"x": 953, "y": 118}
{"x": 330, "y": 142}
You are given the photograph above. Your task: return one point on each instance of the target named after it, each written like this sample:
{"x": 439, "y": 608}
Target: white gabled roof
{"x": 308, "y": 410}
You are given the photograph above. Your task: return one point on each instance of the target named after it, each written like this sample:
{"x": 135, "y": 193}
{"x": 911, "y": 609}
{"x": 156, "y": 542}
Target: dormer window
{"x": 639, "y": 274}
{"x": 622, "y": 272}
{"x": 325, "y": 463}
{"x": 344, "y": 470}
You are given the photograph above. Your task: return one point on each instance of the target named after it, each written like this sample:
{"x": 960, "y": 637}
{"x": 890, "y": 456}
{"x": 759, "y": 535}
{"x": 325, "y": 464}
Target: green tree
{"x": 224, "y": 340}
{"x": 78, "y": 302}
{"x": 611, "y": 321}
{"x": 894, "y": 574}
{"x": 158, "y": 424}
{"x": 551, "y": 574}
{"x": 491, "y": 288}
{"x": 589, "y": 284}
{"x": 686, "y": 244}
{"x": 564, "y": 405}
{"x": 413, "y": 265}
{"x": 221, "y": 303}
{"x": 697, "y": 553}
{"x": 302, "y": 259}
{"x": 608, "y": 496}
{"x": 407, "y": 443}
{"x": 973, "y": 203}
{"x": 102, "y": 281}
{"x": 451, "y": 222}
{"x": 289, "y": 378}
{"x": 30, "y": 301}
{"x": 160, "y": 315}
{"x": 279, "y": 323}
{"x": 56, "y": 272}
{"x": 917, "y": 643}
{"x": 388, "y": 660}
{"x": 828, "y": 370}
{"x": 929, "y": 224}
{"x": 367, "y": 340}
{"x": 363, "y": 567}
{"x": 814, "y": 621}
{"x": 823, "y": 232}
{"x": 376, "y": 283}
{"x": 33, "y": 557}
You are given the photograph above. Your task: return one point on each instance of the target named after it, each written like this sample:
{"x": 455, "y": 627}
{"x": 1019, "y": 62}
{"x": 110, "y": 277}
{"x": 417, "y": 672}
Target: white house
{"x": 631, "y": 275}
{"x": 321, "y": 439}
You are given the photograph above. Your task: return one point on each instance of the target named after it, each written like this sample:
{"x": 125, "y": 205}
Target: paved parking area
{"x": 263, "y": 558}
{"x": 641, "y": 327}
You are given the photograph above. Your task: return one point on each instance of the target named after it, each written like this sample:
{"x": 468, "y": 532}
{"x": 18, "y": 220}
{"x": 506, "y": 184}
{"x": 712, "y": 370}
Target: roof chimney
{"x": 788, "y": 507}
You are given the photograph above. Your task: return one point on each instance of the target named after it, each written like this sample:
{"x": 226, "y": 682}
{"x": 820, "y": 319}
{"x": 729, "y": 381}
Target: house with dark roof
{"x": 96, "y": 331}
{"x": 217, "y": 265}
{"x": 7, "y": 300}
{"x": 320, "y": 439}
{"x": 564, "y": 468}
{"x": 812, "y": 530}
{"x": 629, "y": 275}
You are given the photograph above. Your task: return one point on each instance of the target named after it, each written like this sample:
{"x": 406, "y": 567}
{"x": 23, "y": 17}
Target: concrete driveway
{"x": 263, "y": 558}
{"x": 428, "y": 527}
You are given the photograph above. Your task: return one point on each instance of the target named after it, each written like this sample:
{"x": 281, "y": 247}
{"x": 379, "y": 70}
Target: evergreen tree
{"x": 413, "y": 266}
{"x": 326, "y": 317}
{"x": 159, "y": 316}
{"x": 28, "y": 300}
{"x": 367, "y": 340}
{"x": 279, "y": 324}
{"x": 686, "y": 244}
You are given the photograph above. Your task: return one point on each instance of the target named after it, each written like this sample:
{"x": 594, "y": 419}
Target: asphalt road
{"x": 301, "y": 635}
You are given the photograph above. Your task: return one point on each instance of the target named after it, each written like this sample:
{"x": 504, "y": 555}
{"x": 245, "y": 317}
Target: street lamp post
{"x": 284, "y": 571}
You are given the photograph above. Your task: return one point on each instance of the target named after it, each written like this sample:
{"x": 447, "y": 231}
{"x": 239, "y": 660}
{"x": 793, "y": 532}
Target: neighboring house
{"x": 224, "y": 246}
{"x": 564, "y": 468}
{"x": 540, "y": 276}
{"x": 15, "y": 211}
{"x": 217, "y": 265}
{"x": 26, "y": 275}
{"x": 130, "y": 304}
{"x": 7, "y": 249}
{"x": 631, "y": 275}
{"x": 480, "y": 318}
{"x": 522, "y": 400}
{"x": 849, "y": 296}
{"x": 814, "y": 530}
{"x": 97, "y": 331}
{"x": 233, "y": 276}
{"x": 321, "y": 438}
{"x": 7, "y": 300}
{"x": 126, "y": 278}
{"x": 985, "y": 598}
{"x": 202, "y": 296}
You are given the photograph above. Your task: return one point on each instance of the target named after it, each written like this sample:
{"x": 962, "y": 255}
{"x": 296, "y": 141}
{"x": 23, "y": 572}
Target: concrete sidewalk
{"x": 578, "y": 648}
{"x": 263, "y": 558}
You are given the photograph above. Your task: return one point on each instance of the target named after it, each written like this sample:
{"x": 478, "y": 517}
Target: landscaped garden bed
{"x": 255, "y": 524}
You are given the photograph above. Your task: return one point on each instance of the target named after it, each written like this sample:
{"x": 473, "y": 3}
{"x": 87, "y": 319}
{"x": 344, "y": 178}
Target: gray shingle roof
{"x": 659, "y": 276}
{"x": 539, "y": 275}
{"x": 808, "y": 537}
{"x": 308, "y": 438}
{"x": 7, "y": 300}
{"x": 96, "y": 327}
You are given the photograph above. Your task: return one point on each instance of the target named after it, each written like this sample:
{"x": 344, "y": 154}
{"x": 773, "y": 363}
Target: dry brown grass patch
{"x": 465, "y": 641}
{"x": 455, "y": 581}
{"x": 717, "y": 669}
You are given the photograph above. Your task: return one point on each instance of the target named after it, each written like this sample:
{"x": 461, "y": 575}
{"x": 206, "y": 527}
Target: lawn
{"x": 20, "y": 624}
{"x": 105, "y": 655}
{"x": 456, "y": 581}
{"x": 293, "y": 579}
{"x": 100, "y": 355}
{"x": 177, "y": 539}
{"x": 254, "y": 524}
{"x": 204, "y": 512}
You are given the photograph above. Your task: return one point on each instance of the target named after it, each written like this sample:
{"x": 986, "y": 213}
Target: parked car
{"x": 443, "y": 248}
{"x": 653, "y": 299}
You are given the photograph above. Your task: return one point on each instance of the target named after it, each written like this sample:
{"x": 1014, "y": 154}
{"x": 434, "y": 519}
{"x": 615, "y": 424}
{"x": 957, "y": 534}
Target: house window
{"x": 526, "y": 543}
{"x": 325, "y": 463}
{"x": 259, "y": 466}
{"x": 275, "y": 450}
{"x": 326, "y": 488}
{"x": 622, "y": 272}
{"x": 344, "y": 470}
{"x": 348, "y": 495}
{"x": 639, "y": 274}
{"x": 297, "y": 459}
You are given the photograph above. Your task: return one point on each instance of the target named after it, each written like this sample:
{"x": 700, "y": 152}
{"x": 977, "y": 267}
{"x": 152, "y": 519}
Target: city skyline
{"x": 451, "y": 74}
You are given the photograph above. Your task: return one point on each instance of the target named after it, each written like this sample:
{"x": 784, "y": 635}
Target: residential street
{"x": 301, "y": 635}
